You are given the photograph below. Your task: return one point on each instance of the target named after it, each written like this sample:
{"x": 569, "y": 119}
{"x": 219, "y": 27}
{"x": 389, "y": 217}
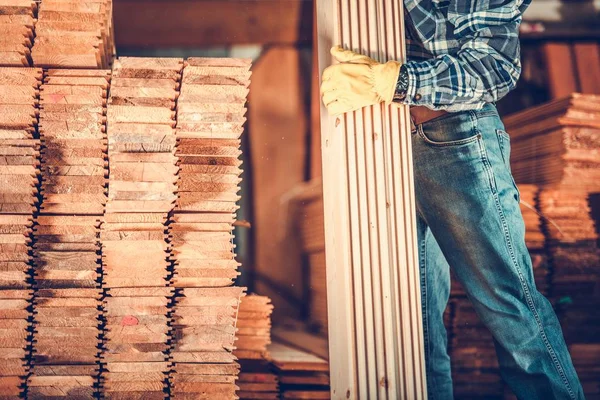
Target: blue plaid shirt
{"x": 462, "y": 54}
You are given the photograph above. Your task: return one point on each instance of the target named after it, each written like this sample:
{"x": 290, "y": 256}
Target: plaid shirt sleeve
{"x": 486, "y": 66}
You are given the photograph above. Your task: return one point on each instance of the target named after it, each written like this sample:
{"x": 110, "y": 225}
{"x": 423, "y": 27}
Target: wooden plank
{"x": 372, "y": 269}
{"x": 278, "y": 165}
{"x": 587, "y": 59}
{"x": 561, "y": 70}
{"x": 195, "y": 24}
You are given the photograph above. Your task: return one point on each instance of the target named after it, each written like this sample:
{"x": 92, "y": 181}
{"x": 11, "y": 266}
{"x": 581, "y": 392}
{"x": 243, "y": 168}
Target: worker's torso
{"x": 437, "y": 27}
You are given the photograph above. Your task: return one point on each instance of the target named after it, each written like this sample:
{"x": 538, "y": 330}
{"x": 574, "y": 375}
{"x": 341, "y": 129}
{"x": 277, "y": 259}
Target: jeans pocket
{"x": 455, "y": 130}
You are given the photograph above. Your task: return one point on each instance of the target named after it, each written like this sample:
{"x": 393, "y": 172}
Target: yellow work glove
{"x": 357, "y": 81}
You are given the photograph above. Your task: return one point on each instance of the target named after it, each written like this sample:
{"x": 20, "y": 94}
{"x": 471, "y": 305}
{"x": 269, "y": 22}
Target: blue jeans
{"x": 469, "y": 220}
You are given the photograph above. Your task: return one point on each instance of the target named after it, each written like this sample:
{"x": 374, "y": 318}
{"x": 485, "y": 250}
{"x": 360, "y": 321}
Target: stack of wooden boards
{"x": 256, "y": 380}
{"x": 56, "y": 33}
{"x": 72, "y": 131}
{"x": 301, "y": 375}
{"x": 74, "y": 34}
{"x": 135, "y": 248}
{"x": 133, "y": 274}
{"x": 210, "y": 118}
{"x": 19, "y": 170}
{"x": 17, "y": 19}
{"x": 309, "y": 222}
{"x": 253, "y": 328}
{"x": 556, "y": 145}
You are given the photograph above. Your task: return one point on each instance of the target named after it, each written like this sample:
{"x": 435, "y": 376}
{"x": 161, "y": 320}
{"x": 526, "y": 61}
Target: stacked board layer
{"x": 17, "y": 19}
{"x": 256, "y": 380}
{"x": 135, "y": 246}
{"x": 132, "y": 292}
{"x": 56, "y": 33}
{"x": 72, "y": 131}
{"x": 19, "y": 171}
{"x": 301, "y": 375}
{"x": 254, "y": 328}
{"x": 210, "y": 118}
{"x": 74, "y": 34}
{"x": 557, "y": 143}
{"x": 557, "y": 146}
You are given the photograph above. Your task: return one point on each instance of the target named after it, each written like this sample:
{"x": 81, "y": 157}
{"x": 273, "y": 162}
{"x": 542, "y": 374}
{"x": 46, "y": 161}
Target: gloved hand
{"x": 357, "y": 81}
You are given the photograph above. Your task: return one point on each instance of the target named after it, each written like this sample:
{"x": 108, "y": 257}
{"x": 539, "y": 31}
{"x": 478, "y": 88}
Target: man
{"x": 463, "y": 55}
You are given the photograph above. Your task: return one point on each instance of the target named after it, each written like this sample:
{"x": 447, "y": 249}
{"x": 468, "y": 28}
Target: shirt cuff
{"x": 414, "y": 97}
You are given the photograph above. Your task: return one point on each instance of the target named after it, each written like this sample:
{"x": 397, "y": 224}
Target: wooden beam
{"x": 315, "y": 111}
{"x": 277, "y": 126}
{"x": 375, "y": 331}
{"x": 587, "y": 58}
{"x": 560, "y": 67}
{"x": 206, "y": 23}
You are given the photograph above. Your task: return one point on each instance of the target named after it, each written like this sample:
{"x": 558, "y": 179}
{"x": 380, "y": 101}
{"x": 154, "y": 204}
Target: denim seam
{"x": 423, "y": 257}
{"x": 524, "y": 286}
{"x": 502, "y": 137}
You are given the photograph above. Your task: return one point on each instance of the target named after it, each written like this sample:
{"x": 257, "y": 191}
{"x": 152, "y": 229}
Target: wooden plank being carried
{"x": 370, "y": 233}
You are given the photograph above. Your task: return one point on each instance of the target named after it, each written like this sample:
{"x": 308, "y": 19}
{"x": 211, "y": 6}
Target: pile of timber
{"x": 19, "y": 170}
{"x": 310, "y": 222}
{"x": 256, "y": 380}
{"x": 17, "y": 19}
{"x": 72, "y": 131}
{"x": 572, "y": 241}
{"x": 210, "y": 118}
{"x": 253, "y": 328}
{"x": 135, "y": 247}
{"x": 557, "y": 143}
{"x": 585, "y": 357}
{"x": 534, "y": 236}
{"x": 74, "y": 34}
{"x": 301, "y": 375}
{"x": 475, "y": 370}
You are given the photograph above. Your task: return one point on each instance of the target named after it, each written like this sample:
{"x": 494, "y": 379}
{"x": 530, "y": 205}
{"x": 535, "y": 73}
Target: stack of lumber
{"x": 210, "y": 118}
{"x": 16, "y": 32}
{"x": 557, "y": 143}
{"x": 301, "y": 375}
{"x": 585, "y": 357}
{"x": 474, "y": 366}
{"x": 135, "y": 248}
{"x": 311, "y": 225}
{"x": 19, "y": 170}
{"x": 72, "y": 131}
{"x": 256, "y": 380}
{"x": 253, "y": 327}
{"x": 534, "y": 237}
{"x": 572, "y": 242}
{"x": 74, "y": 34}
